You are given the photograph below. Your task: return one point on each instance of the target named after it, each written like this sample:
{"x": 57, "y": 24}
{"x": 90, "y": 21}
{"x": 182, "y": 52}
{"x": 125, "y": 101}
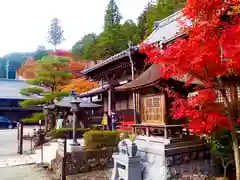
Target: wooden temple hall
{"x": 148, "y": 112}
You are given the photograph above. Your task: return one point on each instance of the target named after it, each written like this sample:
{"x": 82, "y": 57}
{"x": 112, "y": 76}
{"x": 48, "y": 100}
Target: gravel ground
{"x": 95, "y": 175}
{"x": 32, "y": 172}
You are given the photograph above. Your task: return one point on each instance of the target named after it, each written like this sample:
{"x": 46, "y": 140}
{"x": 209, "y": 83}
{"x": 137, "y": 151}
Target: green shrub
{"x": 66, "y": 132}
{"x": 34, "y": 119}
{"x": 100, "y": 139}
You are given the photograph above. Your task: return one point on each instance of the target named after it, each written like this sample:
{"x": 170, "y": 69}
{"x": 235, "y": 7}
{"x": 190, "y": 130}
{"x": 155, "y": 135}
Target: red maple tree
{"x": 208, "y": 53}
{"x": 28, "y": 69}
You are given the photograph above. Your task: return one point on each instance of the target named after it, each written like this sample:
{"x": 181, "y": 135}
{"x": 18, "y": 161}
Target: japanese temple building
{"x": 117, "y": 88}
{"x": 110, "y": 74}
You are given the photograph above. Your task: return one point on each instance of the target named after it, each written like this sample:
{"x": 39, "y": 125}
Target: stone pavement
{"x": 23, "y": 173}
{"x": 15, "y": 160}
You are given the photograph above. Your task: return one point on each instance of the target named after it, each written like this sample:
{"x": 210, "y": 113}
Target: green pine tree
{"x": 142, "y": 21}
{"x": 109, "y": 42}
{"x": 129, "y": 32}
{"x": 112, "y": 17}
{"x": 85, "y": 48}
{"x": 52, "y": 73}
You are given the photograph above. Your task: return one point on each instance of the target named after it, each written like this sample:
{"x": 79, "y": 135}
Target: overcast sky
{"x": 24, "y": 23}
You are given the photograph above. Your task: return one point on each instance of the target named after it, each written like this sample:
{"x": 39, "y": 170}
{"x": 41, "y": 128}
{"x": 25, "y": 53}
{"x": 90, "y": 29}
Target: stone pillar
{"x": 75, "y": 108}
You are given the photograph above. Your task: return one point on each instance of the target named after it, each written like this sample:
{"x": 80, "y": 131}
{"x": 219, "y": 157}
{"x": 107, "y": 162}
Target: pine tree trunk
{"x": 236, "y": 152}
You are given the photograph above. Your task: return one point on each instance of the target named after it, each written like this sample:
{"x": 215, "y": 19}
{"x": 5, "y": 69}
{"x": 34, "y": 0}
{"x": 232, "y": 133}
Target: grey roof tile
{"x": 10, "y": 89}
{"x": 66, "y": 102}
{"x": 167, "y": 29}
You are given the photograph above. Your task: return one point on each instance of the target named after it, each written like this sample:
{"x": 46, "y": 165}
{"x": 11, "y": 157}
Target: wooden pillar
{"x": 18, "y": 131}
{"x": 20, "y": 141}
{"x": 109, "y": 101}
{"x": 137, "y": 107}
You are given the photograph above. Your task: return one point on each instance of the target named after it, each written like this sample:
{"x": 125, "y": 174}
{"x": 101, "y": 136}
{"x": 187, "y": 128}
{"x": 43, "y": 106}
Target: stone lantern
{"x": 75, "y": 107}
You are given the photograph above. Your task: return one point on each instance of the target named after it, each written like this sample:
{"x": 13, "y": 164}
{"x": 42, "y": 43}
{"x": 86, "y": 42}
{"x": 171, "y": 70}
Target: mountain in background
{"x": 16, "y": 60}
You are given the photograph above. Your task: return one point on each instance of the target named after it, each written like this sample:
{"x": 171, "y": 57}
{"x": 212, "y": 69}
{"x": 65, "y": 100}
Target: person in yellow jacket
{"x": 105, "y": 120}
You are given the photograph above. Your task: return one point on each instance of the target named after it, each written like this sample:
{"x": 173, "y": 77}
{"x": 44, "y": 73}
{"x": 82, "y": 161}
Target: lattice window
{"x": 219, "y": 95}
{"x": 238, "y": 91}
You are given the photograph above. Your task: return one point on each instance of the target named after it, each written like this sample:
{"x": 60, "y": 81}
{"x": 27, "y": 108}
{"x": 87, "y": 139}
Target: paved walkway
{"x": 15, "y": 160}
{"x": 23, "y": 173}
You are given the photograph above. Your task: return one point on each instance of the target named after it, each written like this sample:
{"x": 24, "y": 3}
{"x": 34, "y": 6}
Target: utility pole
{"x": 7, "y": 69}
{"x": 133, "y": 77}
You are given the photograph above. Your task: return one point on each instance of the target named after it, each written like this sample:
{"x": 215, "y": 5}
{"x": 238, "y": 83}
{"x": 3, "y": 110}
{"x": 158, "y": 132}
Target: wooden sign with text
{"x": 62, "y": 148}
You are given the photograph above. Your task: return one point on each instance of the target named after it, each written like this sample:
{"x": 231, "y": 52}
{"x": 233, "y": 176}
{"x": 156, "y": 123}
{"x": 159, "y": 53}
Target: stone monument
{"x": 126, "y": 163}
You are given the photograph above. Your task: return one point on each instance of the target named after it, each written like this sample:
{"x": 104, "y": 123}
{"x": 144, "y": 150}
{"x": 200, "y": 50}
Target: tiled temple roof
{"x": 110, "y": 60}
{"x": 66, "y": 103}
{"x": 166, "y": 29}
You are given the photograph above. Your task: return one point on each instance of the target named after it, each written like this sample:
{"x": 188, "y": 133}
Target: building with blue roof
{"x": 10, "y": 97}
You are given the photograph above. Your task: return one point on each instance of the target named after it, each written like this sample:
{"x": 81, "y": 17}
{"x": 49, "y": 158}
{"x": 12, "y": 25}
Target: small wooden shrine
{"x": 154, "y": 103}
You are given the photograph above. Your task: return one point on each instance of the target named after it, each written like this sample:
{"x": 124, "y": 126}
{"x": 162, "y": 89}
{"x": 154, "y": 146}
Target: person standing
{"x": 105, "y": 121}
{"x": 60, "y": 122}
{"x": 114, "y": 121}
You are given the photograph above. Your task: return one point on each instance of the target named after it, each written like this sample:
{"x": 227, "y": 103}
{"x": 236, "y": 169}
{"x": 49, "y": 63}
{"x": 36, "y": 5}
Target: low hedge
{"x": 66, "y": 133}
{"x": 100, "y": 139}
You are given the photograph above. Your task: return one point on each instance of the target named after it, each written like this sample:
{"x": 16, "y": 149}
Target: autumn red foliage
{"x": 208, "y": 53}
{"x": 62, "y": 53}
{"x": 74, "y": 66}
{"x": 79, "y": 85}
{"x": 28, "y": 69}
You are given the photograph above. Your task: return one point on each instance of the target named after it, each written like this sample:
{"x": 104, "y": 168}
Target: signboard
{"x": 62, "y": 148}
{"x": 153, "y": 109}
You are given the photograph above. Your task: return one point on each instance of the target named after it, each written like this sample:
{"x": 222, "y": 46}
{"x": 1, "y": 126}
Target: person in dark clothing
{"x": 114, "y": 121}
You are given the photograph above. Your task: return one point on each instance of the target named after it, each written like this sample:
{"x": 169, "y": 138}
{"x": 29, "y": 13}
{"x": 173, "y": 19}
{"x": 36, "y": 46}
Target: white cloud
{"x": 24, "y": 23}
